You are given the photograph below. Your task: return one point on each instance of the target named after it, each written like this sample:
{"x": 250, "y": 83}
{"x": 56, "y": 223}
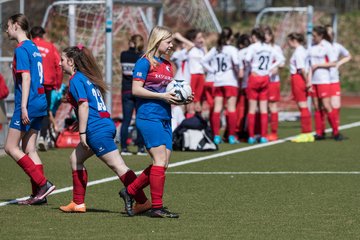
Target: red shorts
{"x": 298, "y": 88}
{"x": 197, "y": 83}
{"x": 335, "y": 89}
{"x": 274, "y": 91}
{"x": 258, "y": 87}
{"x": 226, "y": 91}
{"x": 321, "y": 90}
{"x": 209, "y": 93}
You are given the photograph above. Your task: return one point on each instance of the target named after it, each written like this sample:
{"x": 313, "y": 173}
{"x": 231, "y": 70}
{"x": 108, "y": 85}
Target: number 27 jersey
{"x": 82, "y": 90}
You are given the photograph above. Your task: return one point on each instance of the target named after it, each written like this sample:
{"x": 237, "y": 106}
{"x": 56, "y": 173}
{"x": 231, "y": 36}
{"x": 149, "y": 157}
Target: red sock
{"x": 318, "y": 123}
{"x": 333, "y": 123}
{"x": 274, "y": 122}
{"x": 127, "y": 179}
{"x": 264, "y": 124}
{"x": 29, "y": 167}
{"x": 323, "y": 122}
{"x": 215, "y": 123}
{"x": 337, "y": 115}
{"x": 305, "y": 119}
{"x": 157, "y": 183}
{"x": 34, "y": 187}
{"x": 80, "y": 179}
{"x": 251, "y": 124}
{"x": 142, "y": 181}
{"x": 189, "y": 115}
{"x": 231, "y": 119}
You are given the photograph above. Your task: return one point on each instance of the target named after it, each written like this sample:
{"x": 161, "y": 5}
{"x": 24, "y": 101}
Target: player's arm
{"x": 279, "y": 59}
{"x": 83, "y": 114}
{"x": 205, "y": 62}
{"x": 346, "y": 56}
{"x": 189, "y": 44}
{"x": 25, "y": 85}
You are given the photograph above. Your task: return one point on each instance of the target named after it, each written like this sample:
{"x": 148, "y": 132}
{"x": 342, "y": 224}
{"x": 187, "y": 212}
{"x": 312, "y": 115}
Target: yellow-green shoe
{"x": 311, "y": 137}
{"x": 301, "y": 138}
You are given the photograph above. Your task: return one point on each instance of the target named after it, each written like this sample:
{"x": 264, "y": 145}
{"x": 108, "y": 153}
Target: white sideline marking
{"x": 185, "y": 162}
{"x": 266, "y": 173}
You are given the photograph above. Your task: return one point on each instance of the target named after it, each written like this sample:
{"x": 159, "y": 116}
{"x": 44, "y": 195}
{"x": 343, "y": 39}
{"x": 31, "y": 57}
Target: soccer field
{"x": 280, "y": 190}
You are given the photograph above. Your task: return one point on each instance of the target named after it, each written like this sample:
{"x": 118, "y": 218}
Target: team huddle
{"x": 244, "y": 80}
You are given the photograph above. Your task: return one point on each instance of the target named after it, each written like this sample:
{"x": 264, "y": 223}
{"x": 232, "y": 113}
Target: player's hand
{"x": 24, "y": 116}
{"x": 274, "y": 71}
{"x": 309, "y": 87}
{"x": 74, "y": 127}
{"x": 314, "y": 67}
{"x": 83, "y": 141}
{"x": 171, "y": 98}
{"x": 190, "y": 99}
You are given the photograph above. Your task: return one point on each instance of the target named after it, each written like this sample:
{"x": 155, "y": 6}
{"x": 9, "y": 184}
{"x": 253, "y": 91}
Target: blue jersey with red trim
{"x": 155, "y": 79}
{"x": 81, "y": 89}
{"x": 27, "y": 58}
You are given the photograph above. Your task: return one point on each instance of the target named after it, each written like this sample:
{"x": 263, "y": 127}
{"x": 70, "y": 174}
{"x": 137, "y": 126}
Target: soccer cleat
{"x": 141, "y": 152}
{"x": 338, "y": 137}
{"x": 128, "y": 200}
{"x": 42, "y": 144}
{"x": 74, "y": 208}
{"x": 140, "y": 208}
{"x": 263, "y": 140}
{"x": 272, "y": 137}
{"x": 319, "y": 137}
{"x": 125, "y": 152}
{"x": 251, "y": 140}
{"x": 310, "y": 137}
{"x": 32, "y": 201}
{"x": 44, "y": 190}
{"x": 162, "y": 213}
{"x": 217, "y": 139}
{"x": 233, "y": 140}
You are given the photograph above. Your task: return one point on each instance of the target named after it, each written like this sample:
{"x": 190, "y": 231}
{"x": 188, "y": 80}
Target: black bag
{"x": 194, "y": 134}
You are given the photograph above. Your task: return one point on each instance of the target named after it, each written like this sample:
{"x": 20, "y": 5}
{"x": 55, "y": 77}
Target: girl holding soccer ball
{"x": 152, "y": 73}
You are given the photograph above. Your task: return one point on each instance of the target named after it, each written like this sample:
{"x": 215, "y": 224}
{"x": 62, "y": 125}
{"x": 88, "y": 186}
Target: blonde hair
{"x": 157, "y": 35}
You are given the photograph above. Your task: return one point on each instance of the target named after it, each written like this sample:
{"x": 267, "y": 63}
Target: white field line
{"x": 190, "y": 161}
{"x": 267, "y": 173}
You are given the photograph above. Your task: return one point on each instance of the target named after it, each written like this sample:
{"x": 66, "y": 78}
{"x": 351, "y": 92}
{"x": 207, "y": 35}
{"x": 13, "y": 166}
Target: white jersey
{"x": 195, "y": 56}
{"x": 180, "y": 58}
{"x": 225, "y": 60}
{"x": 319, "y": 54}
{"x": 279, "y": 52}
{"x": 339, "y": 51}
{"x": 245, "y": 66}
{"x": 298, "y": 60}
{"x": 262, "y": 58}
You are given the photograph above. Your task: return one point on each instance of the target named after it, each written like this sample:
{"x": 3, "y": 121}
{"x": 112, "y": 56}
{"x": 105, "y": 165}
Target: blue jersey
{"x": 155, "y": 79}
{"x": 27, "y": 58}
{"x": 82, "y": 90}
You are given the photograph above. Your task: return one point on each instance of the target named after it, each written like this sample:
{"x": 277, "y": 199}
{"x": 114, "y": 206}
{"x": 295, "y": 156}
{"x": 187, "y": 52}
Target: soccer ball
{"x": 181, "y": 88}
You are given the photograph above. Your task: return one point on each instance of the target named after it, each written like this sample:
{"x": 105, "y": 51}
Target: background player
{"x": 263, "y": 61}
{"x": 30, "y": 108}
{"x": 52, "y": 79}
{"x": 127, "y": 60}
{"x": 274, "y": 86}
{"x": 96, "y": 129}
{"x": 225, "y": 70}
{"x": 322, "y": 59}
{"x": 300, "y": 85}
{"x": 341, "y": 55}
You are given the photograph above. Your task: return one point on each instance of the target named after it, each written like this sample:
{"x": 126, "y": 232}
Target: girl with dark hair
{"x": 300, "y": 85}
{"x": 274, "y": 86}
{"x": 342, "y": 56}
{"x": 263, "y": 61}
{"x": 96, "y": 129}
{"x": 30, "y": 109}
{"x": 128, "y": 59}
{"x": 242, "y": 43}
{"x": 197, "y": 72}
{"x": 322, "y": 59}
{"x": 225, "y": 68}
